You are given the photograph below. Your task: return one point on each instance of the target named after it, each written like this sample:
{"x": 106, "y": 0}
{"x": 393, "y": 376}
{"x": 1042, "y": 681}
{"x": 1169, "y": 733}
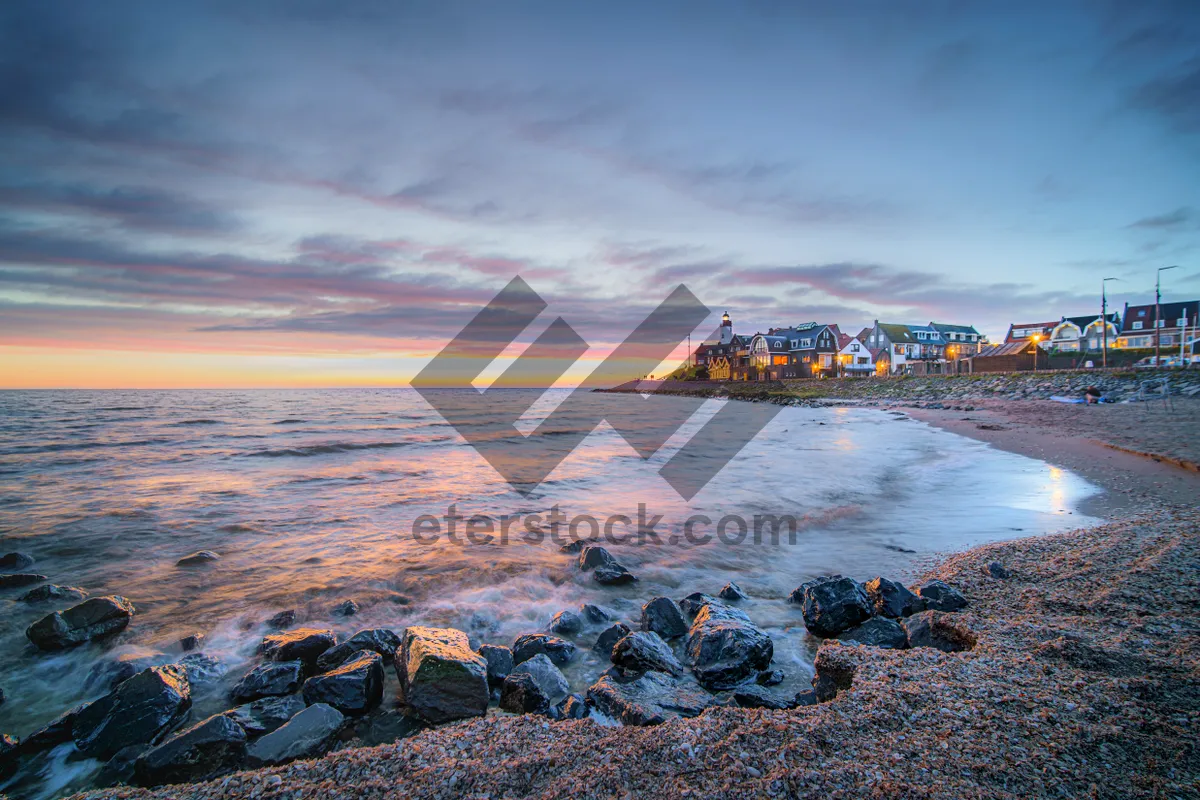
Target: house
{"x": 897, "y": 340}
{"x": 813, "y": 350}
{"x": 769, "y": 356}
{"x": 930, "y": 352}
{"x": 962, "y": 341}
{"x": 1139, "y": 324}
{"x": 1082, "y": 334}
{"x": 1016, "y": 356}
{"x": 726, "y": 359}
{"x": 715, "y": 345}
{"x": 855, "y": 357}
{"x": 1023, "y": 331}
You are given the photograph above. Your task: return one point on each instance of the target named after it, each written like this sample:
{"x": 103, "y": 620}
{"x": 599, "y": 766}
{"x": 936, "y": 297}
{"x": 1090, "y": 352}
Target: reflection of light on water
{"x": 1058, "y": 495}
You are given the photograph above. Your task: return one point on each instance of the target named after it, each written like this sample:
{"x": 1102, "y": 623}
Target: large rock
{"x": 832, "y": 604}
{"x": 594, "y": 556}
{"x": 579, "y": 544}
{"x": 442, "y": 678}
{"x": 695, "y": 601}
{"x": 549, "y": 679}
{"x": 939, "y": 630}
{"x": 55, "y": 733}
{"x": 609, "y": 638}
{"x": 573, "y": 706}
{"x": 378, "y": 640}
{"x": 10, "y": 748}
{"x": 754, "y": 696}
{"x": 198, "y": 559}
{"x": 833, "y": 671}
{"x": 282, "y": 620}
{"x": 645, "y": 651}
{"x": 939, "y": 596}
{"x": 20, "y": 579}
{"x": 52, "y": 591}
{"x": 731, "y": 591}
{"x": 613, "y": 575}
{"x": 724, "y": 648}
{"x": 499, "y": 662}
{"x": 306, "y": 735}
{"x": 265, "y": 715}
{"x": 663, "y": 616}
{"x": 596, "y": 614}
{"x": 529, "y": 645}
{"x": 878, "y": 632}
{"x": 118, "y": 667}
{"x": 121, "y": 768}
{"x": 566, "y": 623}
{"x": 608, "y": 571}
{"x": 891, "y": 599}
{"x": 300, "y": 644}
{"x": 142, "y": 710}
{"x": 520, "y": 694}
{"x": 651, "y": 699}
{"x": 203, "y": 668}
{"x": 16, "y": 561}
{"x": 269, "y": 680}
{"x": 354, "y": 688}
{"x": 91, "y": 619}
{"x": 215, "y": 746}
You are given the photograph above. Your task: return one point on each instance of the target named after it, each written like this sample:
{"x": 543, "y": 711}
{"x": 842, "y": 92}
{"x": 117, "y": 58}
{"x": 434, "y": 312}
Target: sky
{"x": 318, "y": 194}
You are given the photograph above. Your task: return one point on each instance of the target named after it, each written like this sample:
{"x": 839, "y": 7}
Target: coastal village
{"x": 1168, "y": 332}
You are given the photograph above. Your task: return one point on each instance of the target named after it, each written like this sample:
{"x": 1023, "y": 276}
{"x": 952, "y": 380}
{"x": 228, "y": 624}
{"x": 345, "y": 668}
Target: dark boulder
{"x": 608, "y": 571}
{"x": 265, "y": 715}
{"x": 878, "y": 632}
{"x": 117, "y": 668}
{"x": 663, "y": 616}
{"x": 769, "y": 677}
{"x": 891, "y": 599}
{"x": 198, "y": 559}
{"x": 724, "y": 648}
{"x": 354, "y": 688}
{"x": 20, "y": 579}
{"x": 346, "y": 609}
{"x": 121, "y": 768}
{"x": 549, "y": 679}
{"x": 807, "y": 697}
{"x": 566, "y": 623}
{"x": 521, "y": 694}
{"x": 731, "y": 591}
{"x": 577, "y": 545}
{"x": 16, "y": 561}
{"x": 202, "y": 668}
{"x": 191, "y": 642}
{"x": 573, "y": 706}
{"x": 939, "y": 630}
{"x": 378, "y": 640}
{"x": 596, "y": 614}
{"x": 91, "y": 619}
{"x": 593, "y": 556}
{"x": 997, "y": 570}
{"x": 754, "y": 696}
{"x": 214, "y": 747}
{"x": 142, "y": 710}
{"x": 306, "y": 735}
{"x": 645, "y": 651}
{"x": 269, "y": 680}
{"x": 695, "y": 601}
{"x": 301, "y": 644}
{"x": 609, "y": 638}
{"x": 284, "y": 619}
{"x": 613, "y": 575}
{"x": 53, "y": 734}
{"x": 651, "y": 699}
{"x": 832, "y": 604}
{"x": 52, "y": 591}
{"x": 939, "y": 596}
{"x": 529, "y": 645}
{"x": 834, "y": 669}
{"x": 10, "y": 749}
{"x": 442, "y": 678}
{"x": 499, "y": 662}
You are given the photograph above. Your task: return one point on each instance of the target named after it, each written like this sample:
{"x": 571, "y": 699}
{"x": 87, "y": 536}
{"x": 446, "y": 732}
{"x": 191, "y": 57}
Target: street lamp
{"x": 1158, "y": 311}
{"x": 1035, "y": 338}
{"x": 1104, "y": 317}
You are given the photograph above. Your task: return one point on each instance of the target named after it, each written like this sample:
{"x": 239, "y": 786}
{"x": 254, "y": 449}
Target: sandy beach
{"x": 1082, "y": 681}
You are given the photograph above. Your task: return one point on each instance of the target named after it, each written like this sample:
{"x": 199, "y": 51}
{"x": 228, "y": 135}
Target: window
{"x": 1137, "y": 326}
{"x": 1160, "y": 323}
{"x": 854, "y": 348}
{"x": 1181, "y": 322}
{"x": 795, "y": 343}
{"x": 1142, "y": 313}
{"x": 863, "y": 360}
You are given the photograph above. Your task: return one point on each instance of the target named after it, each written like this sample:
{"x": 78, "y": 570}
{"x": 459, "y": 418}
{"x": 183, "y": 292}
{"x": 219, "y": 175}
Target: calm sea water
{"x": 310, "y": 498}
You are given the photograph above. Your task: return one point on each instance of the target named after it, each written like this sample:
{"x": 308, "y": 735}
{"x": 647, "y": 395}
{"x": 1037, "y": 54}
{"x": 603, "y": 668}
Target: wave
{"x": 290, "y": 421}
{"x": 123, "y": 408}
{"x": 199, "y": 422}
{"x": 324, "y": 449}
{"x": 59, "y": 447}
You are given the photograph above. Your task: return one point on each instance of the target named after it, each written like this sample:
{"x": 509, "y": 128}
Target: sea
{"x": 311, "y": 498}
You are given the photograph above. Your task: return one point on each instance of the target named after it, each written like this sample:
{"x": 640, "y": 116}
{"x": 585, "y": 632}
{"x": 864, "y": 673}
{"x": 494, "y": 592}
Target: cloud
{"x": 1175, "y": 97}
{"x": 1172, "y": 220}
{"x": 133, "y": 207}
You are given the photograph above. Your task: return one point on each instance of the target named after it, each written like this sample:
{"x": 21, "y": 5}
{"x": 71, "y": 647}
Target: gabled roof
{"x": 898, "y": 334}
{"x": 937, "y": 337}
{"x": 1043, "y": 327}
{"x": 1170, "y": 313}
{"x": 775, "y": 341}
{"x": 947, "y": 328}
{"x": 812, "y": 332}
{"x": 843, "y": 340}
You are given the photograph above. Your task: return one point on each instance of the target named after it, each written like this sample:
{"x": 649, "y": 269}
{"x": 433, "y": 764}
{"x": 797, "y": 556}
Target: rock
{"x": 269, "y": 680}
{"x": 141, "y": 710}
{"x": 91, "y": 619}
{"x": 663, "y": 616}
{"x": 346, "y": 609}
{"x": 877, "y": 632}
{"x": 649, "y": 700}
{"x": 695, "y": 601}
{"x": 378, "y": 640}
{"x": 769, "y": 677}
{"x": 573, "y": 706}
{"x": 303, "y": 644}
{"x": 808, "y": 697}
{"x": 119, "y": 770}
{"x": 283, "y": 619}
{"x": 20, "y": 579}
{"x": 891, "y": 599}
{"x": 997, "y": 570}
{"x": 833, "y": 671}
{"x": 384, "y": 726}
{"x": 53, "y": 734}
{"x": 354, "y": 688}
{"x": 753, "y": 696}
{"x": 214, "y": 747}
{"x": 566, "y": 623}
{"x": 938, "y": 629}
{"x": 52, "y": 591}
{"x": 193, "y": 642}
{"x": 306, "y": 735}
{"x": 16, "y": 561}
{"x": 119, "y": 667}
{"x": 579, "y": 544}
{"x": 203, "y": 668}
{"x": 596, "y": 614}
{"x": 724, "y": 648}
{"x": 832, "y": 604}
{"x": 644, "y": 651}
{"x": 609, "y": 638}
{"x": 267, "y": 714}
{"x": 613, "y": 575}
{"x": 940, "y": 597}
{"x": 499, "y": 662}
{"x": 551, "y": 682}
{"x": 592, "y": 556}
{"x": 731, "y": 591}
{"x": 529, "y": 645}
{"x": 10, "y": 748}
{"x": 442, "y": 678}
{"x": 521, "y": 694}
{"x": 198, "y": 559}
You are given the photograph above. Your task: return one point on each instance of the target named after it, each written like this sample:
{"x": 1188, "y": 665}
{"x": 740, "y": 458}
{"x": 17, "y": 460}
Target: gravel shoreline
{"x": 1083, "y": 683}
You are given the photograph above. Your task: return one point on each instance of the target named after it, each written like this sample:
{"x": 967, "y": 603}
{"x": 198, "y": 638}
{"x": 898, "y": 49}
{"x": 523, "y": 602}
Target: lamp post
{"x": 1158, "y": 311}
{"x": 1035, "y": 338}
{"x": 1104, "y": 317}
